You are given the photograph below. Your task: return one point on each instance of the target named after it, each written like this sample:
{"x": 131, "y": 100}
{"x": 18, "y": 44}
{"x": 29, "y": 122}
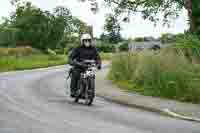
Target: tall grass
{"x": 190, "y": 46}
{"x": 165, "y": 74}
{"x": 8, "y": 63}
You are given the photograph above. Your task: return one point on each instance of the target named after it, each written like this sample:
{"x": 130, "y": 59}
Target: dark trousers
{"x": 74, "y": 79}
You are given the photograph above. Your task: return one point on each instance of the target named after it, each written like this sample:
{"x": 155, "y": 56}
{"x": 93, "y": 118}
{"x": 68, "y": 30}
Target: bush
{"x": 139, "y": 39}
{"x": 105, "y": 47}
{"x": 166, "y": 74}
{"x": 124, "y": 46}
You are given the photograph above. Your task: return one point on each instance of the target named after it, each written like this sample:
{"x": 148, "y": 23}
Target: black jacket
{"x": 84, "y": 53}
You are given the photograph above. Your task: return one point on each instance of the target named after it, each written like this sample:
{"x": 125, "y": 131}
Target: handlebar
{"x": 86, "y": 63}
{"x": 89, "y": 61}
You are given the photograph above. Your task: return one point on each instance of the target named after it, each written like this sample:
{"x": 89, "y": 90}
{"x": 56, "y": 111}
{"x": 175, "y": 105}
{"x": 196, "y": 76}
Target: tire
{"x": 90, "y": 101}
{"x": 76, "y": 100}
{"x": 91, "y": 85}
{"x": 90, "y": 91}
{"x": 87, "y": 100}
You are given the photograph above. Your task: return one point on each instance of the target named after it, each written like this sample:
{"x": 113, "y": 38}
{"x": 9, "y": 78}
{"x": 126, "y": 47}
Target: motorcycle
{"x": 86, "y": 83}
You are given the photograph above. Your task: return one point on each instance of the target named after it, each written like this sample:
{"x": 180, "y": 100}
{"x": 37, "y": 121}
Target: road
{"x": 36, "y": 102}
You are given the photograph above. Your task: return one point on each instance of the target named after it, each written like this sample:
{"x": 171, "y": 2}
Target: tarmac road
{"x": 36, "y": 102}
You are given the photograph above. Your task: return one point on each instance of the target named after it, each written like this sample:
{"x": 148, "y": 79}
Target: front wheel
{"x": 89, "y": 101}
{"x": 90, "y": 91}
{"x": 76, "y": 100}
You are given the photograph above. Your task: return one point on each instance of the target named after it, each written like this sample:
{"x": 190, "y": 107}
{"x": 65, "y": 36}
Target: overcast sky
{"x": 136, "y": 28}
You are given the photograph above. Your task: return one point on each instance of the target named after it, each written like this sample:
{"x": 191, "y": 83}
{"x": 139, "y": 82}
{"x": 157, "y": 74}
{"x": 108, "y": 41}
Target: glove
{"x": 79, "y": 64}
{"x": 99, "y": 67}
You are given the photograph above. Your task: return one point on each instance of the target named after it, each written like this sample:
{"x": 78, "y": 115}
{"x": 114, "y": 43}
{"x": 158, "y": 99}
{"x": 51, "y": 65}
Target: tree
{"x": 194, "y": 15}
{"x": 37, "y": 28}
{"x": 29, "y": 25}
{"x": 151, "y": 9}
{"x": 64, "y": 15}
{"x": 104, "y": 37}
{"x": 80, "y": 27}
{"x": 8, "y": 36}
{"x": 112, "y": 26}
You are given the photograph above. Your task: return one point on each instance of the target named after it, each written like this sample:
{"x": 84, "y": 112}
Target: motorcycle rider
{"x": 86, "y": 51}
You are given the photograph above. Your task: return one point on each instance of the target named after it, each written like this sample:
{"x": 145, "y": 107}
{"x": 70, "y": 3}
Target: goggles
{"x": 87, "y": 40}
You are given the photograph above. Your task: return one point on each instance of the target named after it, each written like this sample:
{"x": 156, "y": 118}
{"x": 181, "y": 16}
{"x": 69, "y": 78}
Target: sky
{"x": 137, "y": 27}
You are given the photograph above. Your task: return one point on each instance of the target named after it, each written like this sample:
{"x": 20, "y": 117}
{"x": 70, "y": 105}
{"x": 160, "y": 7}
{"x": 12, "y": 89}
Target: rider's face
{"x": 87, "y": 42}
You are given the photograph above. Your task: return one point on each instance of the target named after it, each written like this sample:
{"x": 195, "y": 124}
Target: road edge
{"x": 165, "y": 111}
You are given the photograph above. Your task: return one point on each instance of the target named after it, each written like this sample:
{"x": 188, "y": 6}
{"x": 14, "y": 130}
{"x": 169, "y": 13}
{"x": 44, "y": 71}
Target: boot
{"x": 73, "y": 93}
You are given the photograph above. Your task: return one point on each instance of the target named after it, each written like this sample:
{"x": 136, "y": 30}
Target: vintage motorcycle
{"x": 86, "y": 83}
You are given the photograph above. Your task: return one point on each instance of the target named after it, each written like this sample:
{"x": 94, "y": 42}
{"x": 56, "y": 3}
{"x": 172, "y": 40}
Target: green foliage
{"x": 31, "y": 26}
{"x": 167, "y": 74}
{"x": 189, "y": 45}
{"x": 124, "y": 46}
{"x": 144, "y": 39}
{"x": 67, "y": 43}
{"x": 105, "y": 47}
{"x": 112, "y": 26}
{"x": 149, "y": 9}
{"x": 51, "y": 52}
{"x": 106, "y": 56}
{"x": 80, "y": 27}
{"x": 39, "y": 28}
{"x": 139, "y": 39}
{"x": 156, "y": 10}
{"x": 188, "y": 41}
{"x": 8, "y": 36}
{"x": 104, "y": 38}
{"x": 170, "y": 38}
{"x": 194, "y": 17}
{"x": 10, "y": 63}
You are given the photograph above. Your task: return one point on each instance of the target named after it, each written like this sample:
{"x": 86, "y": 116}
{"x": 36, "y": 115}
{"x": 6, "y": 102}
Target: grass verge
{"x": 106, "y": 56}
{"x": 9, "y": 63}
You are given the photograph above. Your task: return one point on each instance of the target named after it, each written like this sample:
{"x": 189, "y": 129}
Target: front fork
{"x": 90, "y": 89}
{"x": 87, "y": 87}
